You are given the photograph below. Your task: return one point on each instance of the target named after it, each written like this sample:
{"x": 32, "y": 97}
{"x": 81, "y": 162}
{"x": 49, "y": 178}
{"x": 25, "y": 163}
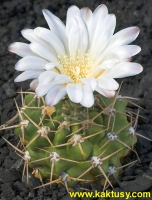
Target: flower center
{"x": 77, "y": 68}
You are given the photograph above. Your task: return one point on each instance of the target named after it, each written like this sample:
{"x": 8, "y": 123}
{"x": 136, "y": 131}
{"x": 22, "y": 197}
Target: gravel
{"x": 17, "y": 15}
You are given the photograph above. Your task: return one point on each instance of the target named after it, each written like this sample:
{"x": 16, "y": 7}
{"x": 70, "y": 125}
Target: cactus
{"x": 68, "y": 143}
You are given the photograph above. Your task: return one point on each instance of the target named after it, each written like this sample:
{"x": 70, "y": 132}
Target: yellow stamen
{"x": 77, "y": 67}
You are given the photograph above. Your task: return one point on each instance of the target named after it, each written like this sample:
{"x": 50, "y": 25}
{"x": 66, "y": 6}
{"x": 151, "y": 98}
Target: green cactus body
{"x": 70, "y": 144}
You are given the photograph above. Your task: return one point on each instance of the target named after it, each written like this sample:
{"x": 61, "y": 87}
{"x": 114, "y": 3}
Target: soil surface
{"x": 17, "y": 15}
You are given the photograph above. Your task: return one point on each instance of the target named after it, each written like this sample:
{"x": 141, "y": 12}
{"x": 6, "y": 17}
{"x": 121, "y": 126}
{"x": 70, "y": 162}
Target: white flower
{"x": 77, "y": 59}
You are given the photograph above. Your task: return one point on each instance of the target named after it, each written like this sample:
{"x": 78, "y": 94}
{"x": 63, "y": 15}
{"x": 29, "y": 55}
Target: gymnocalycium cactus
{"x": 68, "y": 143}
{"x": 74, "y": 127}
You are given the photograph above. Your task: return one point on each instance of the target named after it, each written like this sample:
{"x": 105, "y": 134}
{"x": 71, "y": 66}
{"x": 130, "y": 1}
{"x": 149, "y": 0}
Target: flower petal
{"x": 98, "y": 70}
{"x": 55, "y": 95}
{"x": 83, "y": 41}
{"x": 124, "y": 69}
{"x": 88, "y": 98}
{"x": 107, "y": 82}
{"x": 29, "y": 35}
{"x": 75, "y": 92}
{"x": 71, "y": 13}
{"x": 96, "y": 20}
{"x": 21, "y": 49}
{"x": 109, "y": 61}
{"x": 51, "y": 65}
{"x": 90, "y": 82}
{"x": 56, "y": 26}
{"x": 30, "y": 63}
{"x": 86, "y": 14}
{"x": 27, "y": 75}
{"x": 103, "y": 35}
{"x": 51, "y": 38}
{"x": 42, "y": 90}
{"x": 106, "y": 93}
{"x": 74, "y": 37}
{"x": 61, "y": 79}
{"x": 43, "y": 52}
{"x": 47, "y": 77}
{"x": 126, "y": 51}
{"x": 34, "y": 84}
{"x": 123, "y": 37}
